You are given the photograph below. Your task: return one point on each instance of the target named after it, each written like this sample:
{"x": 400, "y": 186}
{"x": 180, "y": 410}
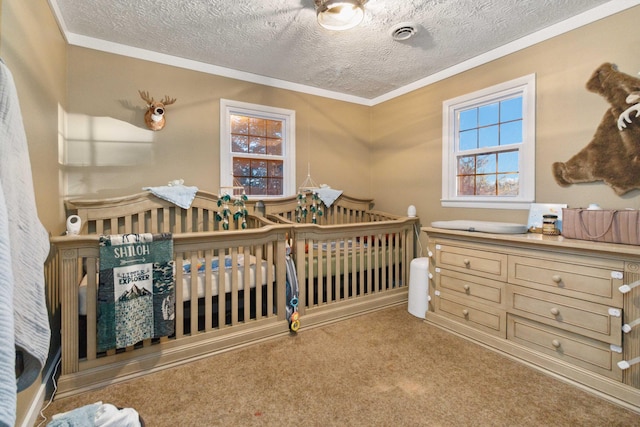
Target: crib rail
{"x": 146, "y": 213}
{"x": 345, "y": 210}
{"x": 349, "y": 268}
{"x": 238, "y": 314}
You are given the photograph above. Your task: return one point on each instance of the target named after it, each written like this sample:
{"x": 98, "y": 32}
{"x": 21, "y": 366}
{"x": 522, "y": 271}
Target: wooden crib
{"x": 353, "y": 260}
{"x": 349, "y": 258}
{"x": 250, "y": 308}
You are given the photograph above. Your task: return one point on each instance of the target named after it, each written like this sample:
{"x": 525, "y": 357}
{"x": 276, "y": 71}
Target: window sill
{"x": 487, "y": 204}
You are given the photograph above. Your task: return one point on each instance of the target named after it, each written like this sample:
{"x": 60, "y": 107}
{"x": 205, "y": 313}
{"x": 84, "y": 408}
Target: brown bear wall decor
{"x": 613, "y": 155}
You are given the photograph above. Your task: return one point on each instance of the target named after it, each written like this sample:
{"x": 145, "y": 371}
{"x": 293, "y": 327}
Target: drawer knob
{"x": 466, "y": 288}
{"x": 466, "y": 262}
{"x": 556, "y": 278}
{"x": 555, "y": 343}
{"x": 555, "y": 311}
{"x": 465, "y": 312}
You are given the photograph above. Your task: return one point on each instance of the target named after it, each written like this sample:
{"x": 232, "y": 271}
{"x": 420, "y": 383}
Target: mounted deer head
{"x": 154, "y": 117}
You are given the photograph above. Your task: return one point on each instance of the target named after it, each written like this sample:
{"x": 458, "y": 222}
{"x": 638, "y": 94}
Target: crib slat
{"x": 303, "y": 296}
{"x": 259, "y": 281}
{"x": 364, "y": 276}
{"x": 188, "y": 220}
{"x": 348, "y": 284}
{"x": 91, "y": 317}
{"x": 377, "y": 258}
{"x": 168, "y": 219}
{"x": 208, "y": 292}
{"x": 271, "y": 279}
{"x": 281, "y": 278}
{"x": 247, "y": 283}
{"x": 179, "y": 324}
{"x": 352, "y": 266}
{"x": 222, "y": 286}
{"x": 330, "y": 254}
{"x": 234, "y": 286}
{"x": 336, "y": 263}
{"x": 154, "y": 221}
{"x": 193, "y": 307}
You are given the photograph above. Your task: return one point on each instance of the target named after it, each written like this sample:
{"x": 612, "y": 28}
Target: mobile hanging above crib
{"x": 308, "y": 189}
{"x": 234, "y": 195}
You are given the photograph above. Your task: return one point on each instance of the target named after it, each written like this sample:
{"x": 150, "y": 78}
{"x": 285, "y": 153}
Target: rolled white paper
{"x": 73, "y": 224}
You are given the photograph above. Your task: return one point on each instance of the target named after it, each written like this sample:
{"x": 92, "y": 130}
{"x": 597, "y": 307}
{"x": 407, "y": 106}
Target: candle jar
{"x": 549, "y": 225}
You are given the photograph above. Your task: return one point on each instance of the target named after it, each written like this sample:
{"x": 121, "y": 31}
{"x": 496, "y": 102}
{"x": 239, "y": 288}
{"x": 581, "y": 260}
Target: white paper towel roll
{"x": 73, "y": 224}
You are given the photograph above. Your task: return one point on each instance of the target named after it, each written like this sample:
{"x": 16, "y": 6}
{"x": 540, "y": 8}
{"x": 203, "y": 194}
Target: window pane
{"x": 511, "y": 109}
{"x": 468, "y": 119}
{"x": 276, "y": 168}
{"x": 257, "y": 145}
{"x": 274, "y": 186}
{"x": 508, "y": 184}
{"x": 257, "y": 127}
{"x": 511, "y": 133}
{"x": 489, "y": 137}
{"x": 469, "y": 140}
{"x": 508, "y": 162}
{"x": 466, "y": 185}
{"x": 245, "y": 182}
{"x": 239, "y": 144}
{"x": 274, "y": 147}
{"x": 258, "y": 168}
{"x": 486, "y": 185}
{"x": 488, "y": 114}
{"x": 241, "y": 167}
{"x": 239, "y": 124}
{"x": 467, "y": 165}
{"x": 486, "y": 163}
{"x": 274, "y": 129}
{"x": 256, "y": 186}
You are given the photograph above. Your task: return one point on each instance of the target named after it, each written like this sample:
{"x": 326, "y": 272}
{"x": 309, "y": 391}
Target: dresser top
{"x": 536, "y": 240}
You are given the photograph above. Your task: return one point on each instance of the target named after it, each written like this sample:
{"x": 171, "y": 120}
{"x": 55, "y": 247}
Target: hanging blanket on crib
{"x": 292, "y": 293}
{"x": 136, "y": 293}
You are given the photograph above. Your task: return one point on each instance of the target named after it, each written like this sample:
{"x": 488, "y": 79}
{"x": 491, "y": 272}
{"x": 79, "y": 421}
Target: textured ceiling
{"x": 281, "y": 40}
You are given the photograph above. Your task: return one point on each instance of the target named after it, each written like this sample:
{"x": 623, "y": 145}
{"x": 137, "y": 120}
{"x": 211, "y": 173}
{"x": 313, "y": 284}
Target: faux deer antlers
{"x": 154, "y": 117}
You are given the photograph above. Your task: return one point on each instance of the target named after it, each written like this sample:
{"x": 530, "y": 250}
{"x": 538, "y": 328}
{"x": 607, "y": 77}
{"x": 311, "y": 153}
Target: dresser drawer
{"x": 590, "y": 354}
{"x": 478, "y": 262}
{"x": 479, "y": 316}
{"x": 594, "y": 280}
{"x": 466, "y": 287}
{"x": 586, "y": 318}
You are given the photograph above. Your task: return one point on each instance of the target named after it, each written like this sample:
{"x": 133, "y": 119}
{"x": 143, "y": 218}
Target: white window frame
{"x": 288, "y": 117}
{"x": 524, "y": 86}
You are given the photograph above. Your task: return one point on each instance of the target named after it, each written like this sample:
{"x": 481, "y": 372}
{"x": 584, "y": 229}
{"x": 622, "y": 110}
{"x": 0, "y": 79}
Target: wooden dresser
{"x": 549, "y": 302}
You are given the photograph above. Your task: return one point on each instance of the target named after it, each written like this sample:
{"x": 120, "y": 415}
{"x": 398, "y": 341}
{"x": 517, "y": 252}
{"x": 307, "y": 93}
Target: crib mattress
{"x": 186, "y": 282}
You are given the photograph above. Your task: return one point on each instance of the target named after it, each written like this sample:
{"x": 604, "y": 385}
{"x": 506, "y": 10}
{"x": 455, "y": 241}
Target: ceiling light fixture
{"x": 340, "y": 14}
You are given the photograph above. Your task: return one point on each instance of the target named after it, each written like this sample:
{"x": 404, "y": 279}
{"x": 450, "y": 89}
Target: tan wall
{"x": 407, "y": 131}
{"x": 332, "y": 136}
{"x": 35, "y": 52}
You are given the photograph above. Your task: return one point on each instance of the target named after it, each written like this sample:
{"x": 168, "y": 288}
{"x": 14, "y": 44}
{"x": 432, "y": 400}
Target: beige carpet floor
{"x": 385, "y": 368}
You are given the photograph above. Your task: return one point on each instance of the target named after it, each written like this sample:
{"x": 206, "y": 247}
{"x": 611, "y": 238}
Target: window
{"x": 488, "y": 147}
{"x": 257, "y": 148}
